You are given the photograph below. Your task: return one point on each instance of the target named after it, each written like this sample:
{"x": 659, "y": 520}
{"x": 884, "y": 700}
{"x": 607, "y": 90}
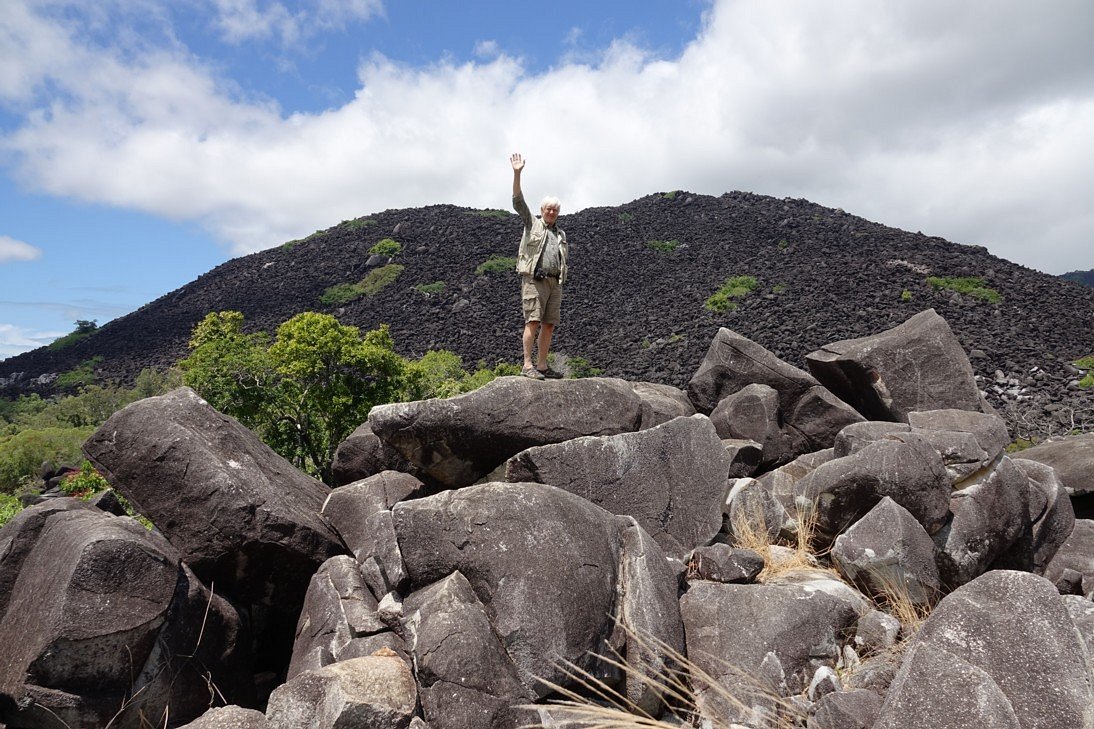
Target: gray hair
{"x": 550, "y": 202}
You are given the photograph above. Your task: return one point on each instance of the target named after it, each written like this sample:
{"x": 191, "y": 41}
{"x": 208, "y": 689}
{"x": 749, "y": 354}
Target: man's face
{"x": 550, "y": 214}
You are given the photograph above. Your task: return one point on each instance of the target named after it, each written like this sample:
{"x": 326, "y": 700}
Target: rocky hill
{"x": 633, "y": 309}
{"x": 1086, "y": 278}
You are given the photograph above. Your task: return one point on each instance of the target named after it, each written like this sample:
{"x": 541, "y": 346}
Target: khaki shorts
{"x": 541, "y": 300}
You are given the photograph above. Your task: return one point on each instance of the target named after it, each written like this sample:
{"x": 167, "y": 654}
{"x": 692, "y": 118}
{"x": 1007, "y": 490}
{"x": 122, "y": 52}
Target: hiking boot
{"x": 532, "y": 373}
{"x": 551, "y": 374}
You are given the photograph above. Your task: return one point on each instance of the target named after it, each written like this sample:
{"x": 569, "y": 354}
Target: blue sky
{"x": 143, "y": 142}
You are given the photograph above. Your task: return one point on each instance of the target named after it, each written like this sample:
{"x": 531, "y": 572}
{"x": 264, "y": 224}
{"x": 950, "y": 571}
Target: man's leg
{"x": 546, "y": 331}
{"x": 530, "y": 330}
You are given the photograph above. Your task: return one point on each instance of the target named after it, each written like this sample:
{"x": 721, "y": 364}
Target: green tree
{"x": 304, "y": 393}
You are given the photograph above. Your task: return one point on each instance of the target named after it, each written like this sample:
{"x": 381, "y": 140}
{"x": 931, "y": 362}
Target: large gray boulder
{"x": 339, "y": 608}
{"x": 464, "y": 674}
{"x": 1076, "y": 553}
{"x": 20, "y": 534}
{"x": 759, "y": 642}
{"x": 363, "y": 454}
{"x": 889, "y": 551}
{"x": 661, "y": 403}
{"x": 560, "y": 577}
{"x": 1001, "y": 651}
{"x": 241, "y": 515}
{"x": 1073, "y": 459}
{"x": 106, "y": 625}
{"x": 459, "y": 440}
{"x": 352, "y": 509}
{"x": 844, "y": 489}
{"x": 672, "y": 478}
{"x": 229, "y": 717}
{"x": 783, "y": 483}
{"x": 372, "y": 692}
{"x": 1051, "y": 514}
{"x": 991, "y": 521}
{"x": 967, "y": 441}
{"x": 918, "y": 365}
{"x": 750, "y": 393}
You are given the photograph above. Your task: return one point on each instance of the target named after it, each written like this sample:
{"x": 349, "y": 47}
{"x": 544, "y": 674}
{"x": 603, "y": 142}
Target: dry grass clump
{"x": 594, "y": 704}
{"x": 750, "y": 532}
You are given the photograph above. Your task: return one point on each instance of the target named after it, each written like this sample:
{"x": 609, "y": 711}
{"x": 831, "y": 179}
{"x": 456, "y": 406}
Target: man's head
{"x": 549, "y": 209}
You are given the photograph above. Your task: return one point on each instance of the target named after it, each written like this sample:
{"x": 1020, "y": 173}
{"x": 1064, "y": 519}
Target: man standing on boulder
{"x": 541, "y": 263}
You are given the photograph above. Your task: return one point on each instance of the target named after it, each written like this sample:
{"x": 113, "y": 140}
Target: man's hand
{"x": 517, "y": 161}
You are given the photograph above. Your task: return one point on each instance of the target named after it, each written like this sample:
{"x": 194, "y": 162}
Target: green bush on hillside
{"x": 22, "y": 454}
{"x": 9, "y": 507}
{"x": 493, "y": 213}
{"x": 736, "y": 287}
{"x": 373, "y": 283}
{"x": 496, "y": 264}
{"x": 84, "y": 329}
{"x": 82, "y": 374}
{"x": 664, "y": 246}
{"x": 431, "y": 288}
{"x": 386, "y": 247}
{"x": 968, "y": 285}
{"x": 1086, "y": 363}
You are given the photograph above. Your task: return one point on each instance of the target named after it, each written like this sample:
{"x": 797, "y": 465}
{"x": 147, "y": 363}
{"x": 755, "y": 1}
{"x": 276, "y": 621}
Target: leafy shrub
{"x": 22, "y": 454}
{"x": 431, "y": 288}
{"x": 358, "y": 223}
{"x": 496, "y": 264}
{"x": 494, "y": 213}
{"x": 625, "y": 217}
{"x": 83, "y": 374}
{"x": 9, "y": 507}
{"x": 579, "y": 367}
{"x": 905, "y": 295}
{"x": 783, "y": 244}
{"x": 1086, "y": 363}
{"x": 378, "y": 278}
{"x": 736, "y": 287}
{"x": 671, "y": 195}
{"x": 778, "y": 288}
{"x": 84, "y": 329}
{"x": 85, "y": 483}
{"x": 665, "y": 246}
{"x": 371, "y": 284}
{"x": 386, "y": 247}
{"x": 968, "y": 285}
{"x": 340, "y": 294}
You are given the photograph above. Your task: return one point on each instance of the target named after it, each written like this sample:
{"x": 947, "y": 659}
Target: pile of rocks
{"x": 494, "y": 552}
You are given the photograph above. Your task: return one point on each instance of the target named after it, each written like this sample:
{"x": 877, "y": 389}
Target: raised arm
{"x": 518, "y": 197}
{"x": 518, "y": 164}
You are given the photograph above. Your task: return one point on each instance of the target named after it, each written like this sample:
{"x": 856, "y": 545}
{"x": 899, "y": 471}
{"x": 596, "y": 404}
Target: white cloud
{"x": 244, "y": 20}
{"x": 16, "y": 339}
{"x": 17, "y": 250}
{"x": 972, "y": 121}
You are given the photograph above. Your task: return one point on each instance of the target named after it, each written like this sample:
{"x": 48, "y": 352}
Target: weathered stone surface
{"x": 910, "y": 473}
{"x": 337, "y": 609}
{"x": 732, "y": 629}
{"x": 20, "y": 534}
{"x": 375, "y": 692}
{"x": 1073, "y": 459}
{"x": 936, "y": 688}
{"x": 876, "y": 631}
{"x": 783, "y": 482}
{"x": 855, "y": 709}
{"x": 990, "y": 516}
{"x": 363, "y": 454}
{"x": 752, "y": 394}
{"x": 1050, "y": 511}
{"x": 734, "y": 362}
{"x": 889, "y": 550}
{"x": 349, "y": 508}
{"x": 857, "y": 436}
{"x": 465, "y": 677}
{"x": 918, "y": 365}
{"x": 241, "y": 515}
{"x": 103, "y": 614}
{"x": 546, "y": 564}
{"x": 999, "y": 651}
{"x": 661, "y": 403}
{"x": 229, "y": 717}
{"x": 723, "y": 563}
{"x": 988, "y": 429}
{"x": 1076, "y": 553}
{"x": 751, "y": 509}
{"x": 459, "y": 440}
{"x": 745, "y": 456}
{"x": 672, "y": 478}
{"x": 1081, "y": 611}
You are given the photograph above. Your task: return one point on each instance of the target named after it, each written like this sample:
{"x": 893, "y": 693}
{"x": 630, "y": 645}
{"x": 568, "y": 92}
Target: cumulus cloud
{"x": 17, "y": 250}
{"x": 244, "y": 20}
{"x": 973, "y": 121}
